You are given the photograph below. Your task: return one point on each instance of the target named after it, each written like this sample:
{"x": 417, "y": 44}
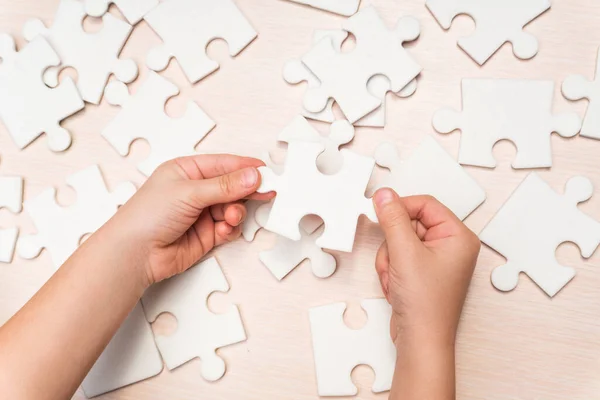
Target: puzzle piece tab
{"x": 497, "y": 22}
{"x": 28, "y": 107}
{"x": 199, "y": 332}
{"x": 95, "y": 56}
{"x": 60, "y": 229}
{"x": 532, "y": 224}
{"x": 188, "y": 26}
{"x": 143, "y": 116}
{"x": 132, "y": 10}
{"x": 339, "y": 349}
{"x": 342, "y": 7}
{"x": 517, "y": 110}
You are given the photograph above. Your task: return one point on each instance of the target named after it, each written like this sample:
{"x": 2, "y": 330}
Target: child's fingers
{"x": 225, "y": 233}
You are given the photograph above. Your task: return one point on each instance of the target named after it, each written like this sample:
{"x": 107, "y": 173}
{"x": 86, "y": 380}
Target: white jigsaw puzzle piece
{"x": 143, "y": 116}
{"x": 430, "y": 170}
{"x": 199, "y": 332}
{"x": 577, "y": 87}
{"x": 28, "y": 107}
{"x": 60, "y": 229}
{"x": 303, "y": 190}
{"x": 339, "y": 349}
{"x": 497, "y": 22}
{"x": 341, "y": 7}
{"x": 188, "y": 26}
{"x": 344, "y": 76}
{"x": 532, "y": 224}
{"x": 132, "y": 10}
{"x": 517, "y": 110}
{"x": 94, "y": 56}
{"x": 8, "y": 242}
{"x": 11, "y": 193}
{"x": 131, "y": 356}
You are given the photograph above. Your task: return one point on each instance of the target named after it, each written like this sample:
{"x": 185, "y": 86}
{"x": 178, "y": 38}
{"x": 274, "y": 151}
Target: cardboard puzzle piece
{"x": 95, "y": 56}
{"x": 199, "y": 332}
{"x": 339, "y": 349}
{"x": 143, "y": 116}
{"x": 430, "y": 170}
{"x": 11, "y": 198}
{"x": 497, "y": 22}
{"x": 131, "y": 356}
{"x": 577, "y": 87}
{"x": 188, "y": 26}
{"x": 303, "y": 190}
{"x": 132, "y": 10}
{"x": 28, "y": 107}
{"x": 344, "y": 76}
{"x": 60, "y": 229}
{"x": 532, "y": 224}
{"x": 517, "y": 110}
{"x": 341, "y": 7}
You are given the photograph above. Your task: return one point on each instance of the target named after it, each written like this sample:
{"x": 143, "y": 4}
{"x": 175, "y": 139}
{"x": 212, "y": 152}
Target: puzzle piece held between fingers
{"x": 517, "y": 110}
{"x": 188, "y": 26}
{"x": 341, "y": 7}
{"x": 497, "y": 22}
{"x": 143, "y": 116}
{"x": 133, "y": 10}
{"x": 532, "y": 224}
{"x": 199, "y": 332}
{"x": 95, "y": 56}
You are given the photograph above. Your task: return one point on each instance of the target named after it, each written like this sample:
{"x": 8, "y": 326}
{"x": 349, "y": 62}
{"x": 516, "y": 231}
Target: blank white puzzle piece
{"x": 95, "y": 56}
{"x": 532, "y": 224}
{"x": 143, "y": 116}
{"x": 188, "y": 26}
{"x": 199, "y": 332}
{"x": 339, "y": 349}
{"x": 344, "y": 76}
{"x": 341, "y": 7}
{"x": 517, "y": 110}
{"x": 28, "y": 107}
{"x": 11, "y": 198}
{"x": 132, "y": 10}
{"x": 131, "y": 356}
{"x": 60, "y": 229}
{"x": 577, "y": 87}
{"x": 430, "y": 170}
{"x": 497, "y": 22}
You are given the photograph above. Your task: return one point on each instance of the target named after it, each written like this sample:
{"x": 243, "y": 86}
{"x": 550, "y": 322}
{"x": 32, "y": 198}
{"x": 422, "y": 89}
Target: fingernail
{"x": 249, "y": 177}
{"x": 383, "y": 197}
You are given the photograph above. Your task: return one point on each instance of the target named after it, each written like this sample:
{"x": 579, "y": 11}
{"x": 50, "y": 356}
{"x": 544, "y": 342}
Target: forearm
{"x": 48, "y": 347}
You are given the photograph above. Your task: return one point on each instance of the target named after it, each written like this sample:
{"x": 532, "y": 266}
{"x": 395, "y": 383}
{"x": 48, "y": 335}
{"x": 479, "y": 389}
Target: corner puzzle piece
{"x": 188, "y": 26}
{"x": 132, "y": 10}
{"x": 94, "y": 56}
{"x": 28, "y": 107}
{"x": 11, "y": 198}
{"x": 341, "y": 7}
{"x": 60, "y": 229}
{"x": 532, "y": 224}
{"x": 344, "y": 76}
{"x": 430, "y": 170}
{"x": 143, "y": 116}
{"x": 517, "y": 110}
{"x": 302, "y": 190}
{"x": 131, "y": 356}
{"x": 339, "y": 349}
{"x": 199, "y": 332}
{"x": 497, "y": 22}
{"x": 577, "y": 87}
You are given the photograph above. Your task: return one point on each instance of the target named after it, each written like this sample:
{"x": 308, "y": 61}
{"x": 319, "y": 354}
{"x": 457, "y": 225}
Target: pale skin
{"x": 189, "y": 206}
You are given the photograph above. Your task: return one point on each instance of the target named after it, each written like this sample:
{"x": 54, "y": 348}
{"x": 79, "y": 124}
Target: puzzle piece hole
{"x": 349, "y": 44}
{"x": 219, "y": 302}
{"x": 355, "y": 317}
{"x": 176, "y": 106}
{"x": 504, "y": 152}
{"x": 164, "y": 325}
{"x": 66, "y": 196}
{"x": 463, "y": 25}
{"x": 218, "y": 50}
{"x": 92, "y": 24}
{"x": 363, "y": 376}
{"x": 569, "y": 253}
{"x": 63, "y": 74}
{"x": 139, "y": 150}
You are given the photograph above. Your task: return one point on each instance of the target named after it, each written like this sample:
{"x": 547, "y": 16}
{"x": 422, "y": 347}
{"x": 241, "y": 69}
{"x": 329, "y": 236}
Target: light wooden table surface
{"x": 520, "y": 345}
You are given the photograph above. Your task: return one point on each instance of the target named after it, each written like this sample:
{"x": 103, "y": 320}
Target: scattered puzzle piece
{"x": 11, "y": 198}
{"x": 94, "y": 56}
{"x": 133, "y": 10}
{"x": 188, "y": 26}
{"x": 517, "y": 110}
{"x": 8, "y": 241}
{"x": 60, "y": 229}
{"x": 199, "y": 332}
{"x": 28, "y": 107}
{"x": 339, "y": 349}
{"x": 497, "y": 22}
{"x": 532, "y": 224}
{"x": 143, "y": 116}
{"x": 342, "y": 7}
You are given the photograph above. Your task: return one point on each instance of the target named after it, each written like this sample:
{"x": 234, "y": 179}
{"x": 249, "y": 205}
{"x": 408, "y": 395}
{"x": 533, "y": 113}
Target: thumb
{"x": 225, "y": 188}
{"x": 394, "y": 219}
